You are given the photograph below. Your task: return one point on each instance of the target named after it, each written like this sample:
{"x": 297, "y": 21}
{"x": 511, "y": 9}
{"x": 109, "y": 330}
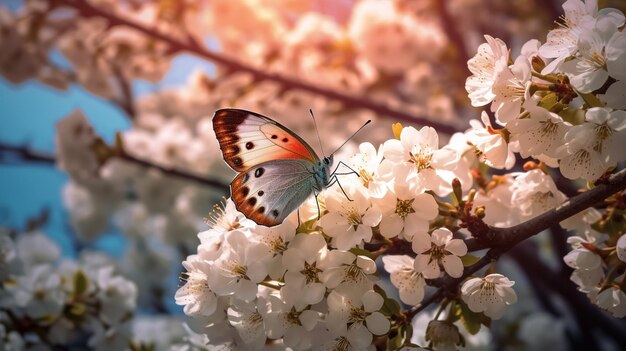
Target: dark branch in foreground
{"x": 349, "y": 101}
{"x": 15, "y": 154}
{"x": 501, "y": 240}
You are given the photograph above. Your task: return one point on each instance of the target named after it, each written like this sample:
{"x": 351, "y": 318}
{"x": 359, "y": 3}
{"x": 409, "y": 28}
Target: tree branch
{"x": 12, "y": 154}
{"x": 176, "y": 45}
{"x": 501, "y": 240}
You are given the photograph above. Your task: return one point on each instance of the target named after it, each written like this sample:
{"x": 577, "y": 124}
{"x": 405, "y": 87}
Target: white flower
{"x": 602, "y": 53}
{"x": 443, "y": 336}
{"x": 116, "y": 294}
{"x": 609, "y": 129}
{"x": 540, "y": 133}
{"x": 499, "y": 210}
{"x": 582, "y": 259}
{"x": 587, "y": 279}
{"x": 534, "y": 193}
{"x": 562, "y": 42}
{"x": 35, "y": 248}
{"x": 276, "y": 240}
{"x": 223, "y": 219}
{"x": 490, "y": 144}
{"x": 293, "y": 325}
{"x": 592, "y": 146}
{"x": 359, "y": 313}
{"x": 366, "y": 163}
{"x": 341, "y": 268}
{"x": 405, "y": 211}
{"x": 247, "y": 318}
{"x": 195, "y": 294}
{"x": 418, "y": 151}
{"x": 491, "y": 58}
{"x": 350, "y": 223}
{"x": 511, "y": 89}
{"x": 241, "y": 266}
{"x": 39, "y": 292}
{"x": 75, "y": 139}
{"x": 490, "y": 294}
{"x": 620, "y": 248}
{"x": 410, "y": 283}
{"x": 303, "y": 285}
{"x": 612, "y": 300}
{"x": 438, "y": 248}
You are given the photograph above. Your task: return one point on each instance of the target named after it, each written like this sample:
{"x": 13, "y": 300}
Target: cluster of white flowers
{"x": 561, "y": 102}
{"x": 46, "y": 301}
{"x": 596, "y": 259}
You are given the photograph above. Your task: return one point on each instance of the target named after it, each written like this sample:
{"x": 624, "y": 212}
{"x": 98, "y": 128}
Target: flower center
{"x": 341, "y": 344}
{"x": 404, "y": 207}
{"x": 548, "y": 128}
{"x": 421, "y": 158}
{"x": 277, "y": 245}
{"x": 354, "y": 217}
{"x": 219, "y": 218}
{"x": 310, "y": 273}
{"x": 255, "y": 320}
{"x": 353, "y": 273}
{"x": 237, "y": 269}
{"x": 357, "y": 315}
{"x": 365, "y": 177}
{"x": 598, "y": 60}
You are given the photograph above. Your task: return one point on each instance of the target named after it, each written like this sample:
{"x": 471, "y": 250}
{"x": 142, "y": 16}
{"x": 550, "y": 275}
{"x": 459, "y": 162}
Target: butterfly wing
{"x": 248, "y": 139}
{"x": 267, "y": 193}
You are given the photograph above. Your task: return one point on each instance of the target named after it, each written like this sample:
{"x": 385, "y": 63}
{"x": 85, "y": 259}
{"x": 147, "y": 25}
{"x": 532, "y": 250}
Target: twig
{"x": 349, "y": 101}
{"x": 14, "y": 153}
{"x": 501, "y": 240}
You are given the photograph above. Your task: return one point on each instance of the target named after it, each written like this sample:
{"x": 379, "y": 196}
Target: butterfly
{"x": 277, "y": 169}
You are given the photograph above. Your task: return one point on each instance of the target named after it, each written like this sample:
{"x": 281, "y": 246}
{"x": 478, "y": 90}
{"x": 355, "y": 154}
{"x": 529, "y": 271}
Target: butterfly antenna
{"x": 351, "y": 136}
{"x": 317, "y": 132}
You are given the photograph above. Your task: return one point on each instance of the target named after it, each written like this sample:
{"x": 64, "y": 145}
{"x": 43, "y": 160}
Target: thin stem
{"x": 191, "y": 46}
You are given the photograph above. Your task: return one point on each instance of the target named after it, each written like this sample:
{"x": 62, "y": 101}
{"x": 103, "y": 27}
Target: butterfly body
{"x": 278, "y": 170}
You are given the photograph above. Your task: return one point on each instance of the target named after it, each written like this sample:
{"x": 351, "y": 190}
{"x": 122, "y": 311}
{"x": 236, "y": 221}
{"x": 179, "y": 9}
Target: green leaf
{"x": 399, "y": 336}
{"x": 390, "y": 307}
{"x": 469, "y": 260}
{"x": 80, "y": 283}
{"x": 471, "y": 321}
{"x": 549, "y": 101}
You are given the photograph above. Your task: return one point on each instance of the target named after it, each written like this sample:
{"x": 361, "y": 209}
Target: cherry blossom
{"x": 350, "y": 222}
{"x": 410, "y": 283}
{"x": 490, "y": 294}
{"x": 437, "y": 249}
{"x": 491, "y": 58}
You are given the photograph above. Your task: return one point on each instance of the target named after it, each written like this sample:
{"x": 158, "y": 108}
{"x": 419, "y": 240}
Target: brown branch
{"x": 501, "y": 240}
{"x": 452, "y": 32}
{"x": 349, "y": 101}
{"x": 11, "y": 153}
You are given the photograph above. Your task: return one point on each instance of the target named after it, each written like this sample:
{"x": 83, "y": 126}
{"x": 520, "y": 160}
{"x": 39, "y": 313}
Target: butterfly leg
{"x": 336, "y": 180}
{"x": 298, "y": 218}
{"x": 352, "y": 171}
{"x": 319, "y": 213}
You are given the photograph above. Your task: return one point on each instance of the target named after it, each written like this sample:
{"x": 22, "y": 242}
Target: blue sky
{"x": 28, "y": 114}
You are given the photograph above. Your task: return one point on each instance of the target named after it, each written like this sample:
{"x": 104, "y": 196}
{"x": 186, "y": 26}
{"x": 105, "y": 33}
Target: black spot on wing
{"x": 259, "y": 172}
